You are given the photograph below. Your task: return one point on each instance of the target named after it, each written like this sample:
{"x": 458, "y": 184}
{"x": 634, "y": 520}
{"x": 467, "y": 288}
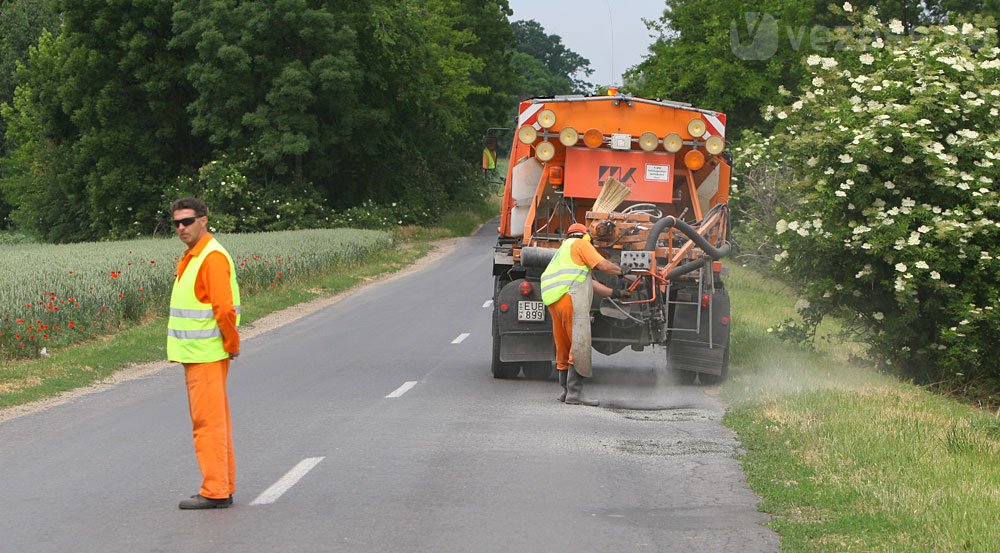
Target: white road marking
{"x": 402, "y": 389}
{"x": 461, "y": 337}
{"x": 488, "y": 303}
{"x": 272, "y": 494}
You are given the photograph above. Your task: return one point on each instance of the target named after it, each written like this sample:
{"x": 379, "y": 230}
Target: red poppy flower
{"x": 20, "y": 320}
{"x": 71, "y": 324}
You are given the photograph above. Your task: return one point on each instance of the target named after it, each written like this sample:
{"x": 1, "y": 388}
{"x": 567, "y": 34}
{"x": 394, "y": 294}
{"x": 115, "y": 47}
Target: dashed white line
{"x": 488, "y": 303}
{"x": 402, "y": 389}
{"x": 272, "y": 494}
{"x": 461, "y": 337}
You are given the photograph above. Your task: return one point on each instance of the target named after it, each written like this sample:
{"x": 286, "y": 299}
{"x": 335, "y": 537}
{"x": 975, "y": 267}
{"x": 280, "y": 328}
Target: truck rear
{"x": 658, "y": 174}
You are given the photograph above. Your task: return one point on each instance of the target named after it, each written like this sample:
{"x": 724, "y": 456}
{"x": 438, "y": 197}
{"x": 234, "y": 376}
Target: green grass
{"x": 847, "y": 459}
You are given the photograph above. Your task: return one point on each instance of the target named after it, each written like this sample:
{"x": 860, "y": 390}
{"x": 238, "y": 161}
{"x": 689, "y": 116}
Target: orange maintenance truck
{"x": 650, "y": 180}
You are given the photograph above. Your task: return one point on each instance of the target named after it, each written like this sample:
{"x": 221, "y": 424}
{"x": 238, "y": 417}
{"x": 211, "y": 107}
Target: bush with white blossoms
{"x": 894, "y": 148}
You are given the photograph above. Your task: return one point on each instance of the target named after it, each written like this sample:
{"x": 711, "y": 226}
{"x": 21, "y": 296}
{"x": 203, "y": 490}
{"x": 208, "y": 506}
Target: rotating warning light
{"x": 527, "y": 134}
{"x": 648, "y": 141}
{"x": 715, "y": 145}
{"x": 545, "y": 151}
{"x": 673, "y": 143}
{"x": 546, "y": 118}
{"x": 569, "y": 136}
{"x": 696, "y": 127}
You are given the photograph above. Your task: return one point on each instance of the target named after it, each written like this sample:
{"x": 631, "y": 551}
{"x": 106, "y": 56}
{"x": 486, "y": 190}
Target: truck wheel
{"x": 537, "y": 370}
{"x": 501, "y": 369}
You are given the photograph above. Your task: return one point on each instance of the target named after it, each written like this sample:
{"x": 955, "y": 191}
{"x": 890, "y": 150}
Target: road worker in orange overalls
{"x": 202, "y": 335}
{"x": 568, "y": 290}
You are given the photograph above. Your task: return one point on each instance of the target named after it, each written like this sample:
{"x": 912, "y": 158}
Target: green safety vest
{"x": 489, "y": 159}
{"x": 193, "y": 334}
{"x": 561, "y": 274}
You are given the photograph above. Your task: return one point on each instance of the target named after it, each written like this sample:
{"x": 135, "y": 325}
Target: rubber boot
{"x": 562, "y": 382}
{"x": 574, "y": 389}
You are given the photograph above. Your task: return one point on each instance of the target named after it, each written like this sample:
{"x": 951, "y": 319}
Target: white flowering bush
{"x": 893, "y": 144}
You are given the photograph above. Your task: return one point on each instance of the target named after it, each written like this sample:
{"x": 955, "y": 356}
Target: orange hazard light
{"x": 694, "y": 160}
{"x": 556, "y": 175}
{"x": 593, "y": 138}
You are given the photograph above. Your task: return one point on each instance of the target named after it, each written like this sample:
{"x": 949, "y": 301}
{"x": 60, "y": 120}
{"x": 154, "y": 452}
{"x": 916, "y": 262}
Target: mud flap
{"x": 706, "y": 351}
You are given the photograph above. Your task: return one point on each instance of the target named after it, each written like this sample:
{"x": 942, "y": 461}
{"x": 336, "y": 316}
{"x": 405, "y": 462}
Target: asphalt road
{"x": 457, "y": 461}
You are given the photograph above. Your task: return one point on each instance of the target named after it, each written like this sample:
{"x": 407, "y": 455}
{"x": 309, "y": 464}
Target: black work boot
{"x": 574, "y": 389}
{"x": 562, "y": 382}
{"x": 202, "y": 502}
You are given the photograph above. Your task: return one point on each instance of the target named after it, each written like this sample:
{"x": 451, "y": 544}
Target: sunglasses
{"x": 187, "y": 221}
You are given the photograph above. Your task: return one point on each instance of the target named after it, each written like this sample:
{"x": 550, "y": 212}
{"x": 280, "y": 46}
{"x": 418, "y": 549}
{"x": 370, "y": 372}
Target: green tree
{"x": 545, "y": 65}
{"x": 102, "y": 98}
{"x": 21, "y": 23}
{"x": 337, "y": 102}
{"x": 735, "y": 55}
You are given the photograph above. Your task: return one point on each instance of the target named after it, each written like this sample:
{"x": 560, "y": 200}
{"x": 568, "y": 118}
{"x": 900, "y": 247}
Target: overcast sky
{"x": 587, "y": 27}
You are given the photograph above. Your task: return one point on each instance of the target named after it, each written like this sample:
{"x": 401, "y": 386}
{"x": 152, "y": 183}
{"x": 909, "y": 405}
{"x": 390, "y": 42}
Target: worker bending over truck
{"x": 568, "y": 290}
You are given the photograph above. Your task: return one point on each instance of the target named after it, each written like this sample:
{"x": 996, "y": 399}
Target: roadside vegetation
{"x": 846, "y": 458}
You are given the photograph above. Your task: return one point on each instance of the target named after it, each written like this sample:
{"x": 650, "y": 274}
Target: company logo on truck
{"x": 606, "y": 172}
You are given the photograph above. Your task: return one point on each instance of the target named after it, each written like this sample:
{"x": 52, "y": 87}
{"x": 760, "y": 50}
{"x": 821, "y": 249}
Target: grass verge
{"x": 850, "y": 460}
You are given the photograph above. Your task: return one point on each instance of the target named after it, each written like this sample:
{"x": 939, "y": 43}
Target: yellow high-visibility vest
{"x": 561, "y": 274}
{"x": 489, "y": 159}
{"x": 193, "y": 334}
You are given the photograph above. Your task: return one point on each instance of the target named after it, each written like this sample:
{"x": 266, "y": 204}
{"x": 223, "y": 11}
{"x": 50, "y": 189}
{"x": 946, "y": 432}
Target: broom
{"x": 613, "y": 193}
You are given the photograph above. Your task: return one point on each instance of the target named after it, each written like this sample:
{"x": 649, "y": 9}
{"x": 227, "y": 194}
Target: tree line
{"x": 282, "y": 112}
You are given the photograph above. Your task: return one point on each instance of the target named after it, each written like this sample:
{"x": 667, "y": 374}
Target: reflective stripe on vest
{"x": 193, "y": 334}
{"x": 561, "y": 274}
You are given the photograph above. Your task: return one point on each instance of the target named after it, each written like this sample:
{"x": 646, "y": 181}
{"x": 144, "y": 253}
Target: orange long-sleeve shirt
{"x": 212, "y": 286}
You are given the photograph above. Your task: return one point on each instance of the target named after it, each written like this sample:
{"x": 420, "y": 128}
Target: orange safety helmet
{"x": 576, "y": 228}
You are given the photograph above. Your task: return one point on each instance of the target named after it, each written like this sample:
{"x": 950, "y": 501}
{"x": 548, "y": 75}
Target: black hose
{"x": 670, "y": 221}
{"x": 688, "y": 267}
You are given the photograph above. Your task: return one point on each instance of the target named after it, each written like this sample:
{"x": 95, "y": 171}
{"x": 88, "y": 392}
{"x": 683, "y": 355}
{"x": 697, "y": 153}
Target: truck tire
{"x": 499, "y": 368}
{"x": 537, "y": 370}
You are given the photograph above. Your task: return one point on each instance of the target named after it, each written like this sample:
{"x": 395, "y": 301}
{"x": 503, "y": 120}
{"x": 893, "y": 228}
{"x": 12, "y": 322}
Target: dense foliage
{"x": 328, "y": 104}
{"x": 891, "y": 156}
{"x": 735, "y": 55}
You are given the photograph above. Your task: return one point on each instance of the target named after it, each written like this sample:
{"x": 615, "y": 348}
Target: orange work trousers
{"x": 212, "y": 427}
{"x": 562, "y": 331}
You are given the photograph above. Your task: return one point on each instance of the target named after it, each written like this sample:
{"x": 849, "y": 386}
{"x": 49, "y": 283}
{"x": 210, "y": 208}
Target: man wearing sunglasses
{"x": 202, "y": 335}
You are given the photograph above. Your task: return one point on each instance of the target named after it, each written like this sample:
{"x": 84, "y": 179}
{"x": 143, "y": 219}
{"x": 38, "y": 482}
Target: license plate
{"x": 531, "y": 311}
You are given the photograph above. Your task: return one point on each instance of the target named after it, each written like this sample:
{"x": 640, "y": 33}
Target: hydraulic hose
{"x": 689, "y": 267}
{"x": 672, "y": 222}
